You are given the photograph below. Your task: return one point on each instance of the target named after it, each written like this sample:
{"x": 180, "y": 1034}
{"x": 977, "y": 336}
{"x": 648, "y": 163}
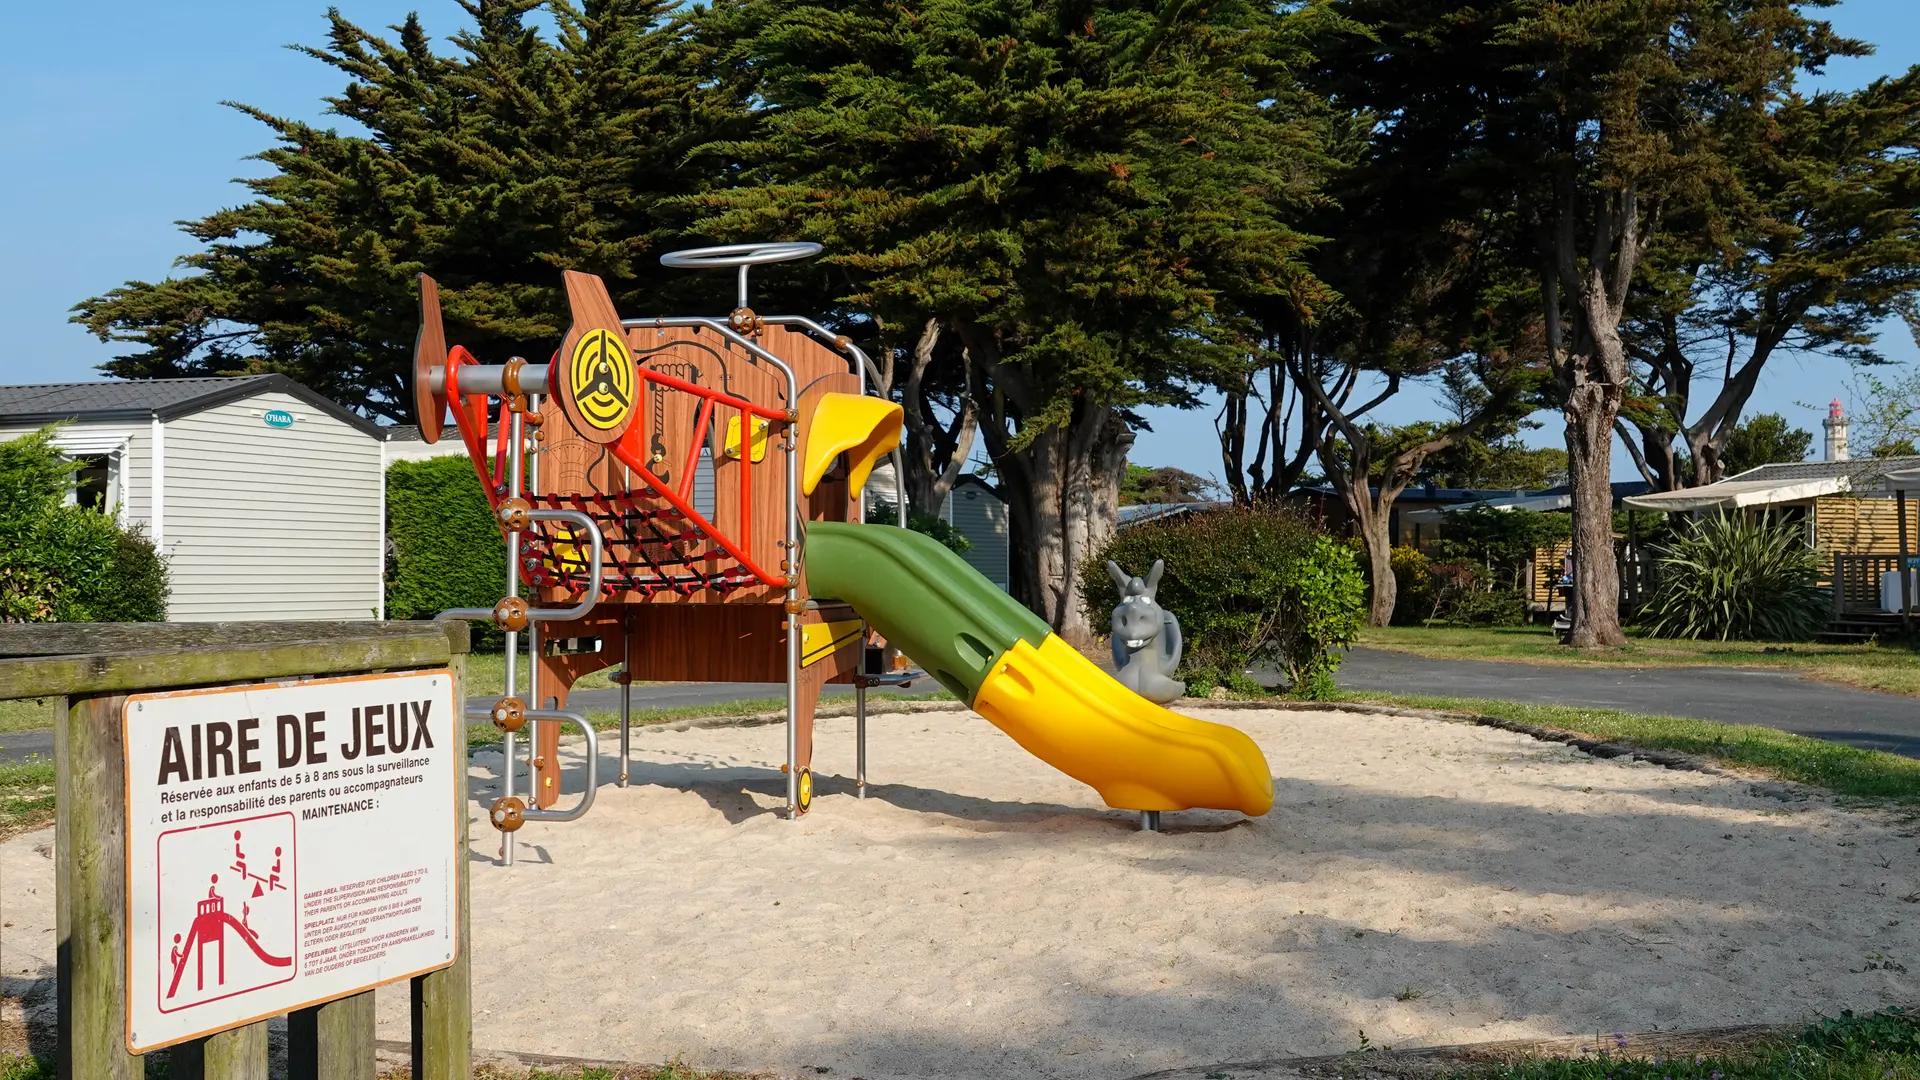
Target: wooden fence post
{"x": 90, "y": 884}
{"x": 234, "y": 1054}
{"x": 333, "y": 1041}
{"x": 442, "y": 1001}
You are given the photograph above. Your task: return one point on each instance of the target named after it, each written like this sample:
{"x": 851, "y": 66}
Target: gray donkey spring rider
{"x": 1146, "y": 637}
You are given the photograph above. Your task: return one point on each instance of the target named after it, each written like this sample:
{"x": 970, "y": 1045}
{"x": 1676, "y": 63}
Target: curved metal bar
{"x": 833, "y": 339}
{"x": 577, "y": 810}
{"x": 866, "y": 369}
{"x": 595, "y": 572}
{"x": 723, "y": 256}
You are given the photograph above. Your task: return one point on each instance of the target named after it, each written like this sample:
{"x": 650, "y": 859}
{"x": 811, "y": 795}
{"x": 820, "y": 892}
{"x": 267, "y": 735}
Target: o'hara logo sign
{"x": 279, "y": 418}
{"x": 286, "y": 845}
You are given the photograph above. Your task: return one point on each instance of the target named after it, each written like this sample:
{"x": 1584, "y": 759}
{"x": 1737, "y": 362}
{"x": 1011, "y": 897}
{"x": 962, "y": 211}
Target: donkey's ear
{"x": 1119, "y": 576}
{"x": 1153, "y": 575}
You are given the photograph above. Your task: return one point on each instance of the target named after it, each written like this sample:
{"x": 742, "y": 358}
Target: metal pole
{"x": 1906, "y": 578}
{"x": 794, "y": 612}
{"x": 533, "y": 702}
{"x": 1149, "y": 821}
{"x": 626, "y": 692}
{"x": 516, "y": 431}
{"x": 742, "y": 290}
{"x": 860, "y": 722}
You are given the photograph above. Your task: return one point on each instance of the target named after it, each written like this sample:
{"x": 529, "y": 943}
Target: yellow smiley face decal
{"x": 601, "y": 378}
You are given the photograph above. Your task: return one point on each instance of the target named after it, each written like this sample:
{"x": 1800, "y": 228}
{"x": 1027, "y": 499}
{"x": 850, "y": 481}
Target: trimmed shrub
{"x": 446, "y": 550}
{"x": 1248, "y": 585}
{"x": 1736, "y": 578}
{"x": 68, "y": 563}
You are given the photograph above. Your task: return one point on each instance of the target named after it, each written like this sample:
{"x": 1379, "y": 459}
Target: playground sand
{"x": 981, "y": 915}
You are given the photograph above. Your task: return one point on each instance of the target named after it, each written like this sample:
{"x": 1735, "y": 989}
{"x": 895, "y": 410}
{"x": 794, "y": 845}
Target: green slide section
{"x": 925, "y": 599}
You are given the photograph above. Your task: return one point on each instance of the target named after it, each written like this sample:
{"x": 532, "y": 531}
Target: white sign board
{"x": 286, "y": 845}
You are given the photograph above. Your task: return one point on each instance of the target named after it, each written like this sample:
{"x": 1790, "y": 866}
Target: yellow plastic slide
{"x": 1068, "y": 713}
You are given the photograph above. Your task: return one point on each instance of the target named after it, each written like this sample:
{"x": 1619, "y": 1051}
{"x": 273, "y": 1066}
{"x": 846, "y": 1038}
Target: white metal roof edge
{"x": 1734, "y": 494}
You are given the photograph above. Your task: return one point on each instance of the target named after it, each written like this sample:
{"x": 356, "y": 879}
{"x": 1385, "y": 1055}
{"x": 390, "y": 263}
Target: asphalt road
{"x": 1774, "y": 698}
{"x": 1769, "y": 697}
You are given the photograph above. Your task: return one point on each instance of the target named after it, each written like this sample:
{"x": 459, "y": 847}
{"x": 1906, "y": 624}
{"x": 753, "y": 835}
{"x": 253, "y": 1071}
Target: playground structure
{"x": 681, "y": 496}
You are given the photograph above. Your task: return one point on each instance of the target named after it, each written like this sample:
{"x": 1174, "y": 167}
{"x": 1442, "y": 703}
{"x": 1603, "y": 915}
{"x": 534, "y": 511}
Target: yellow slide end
{"x": 864, "y": 428}
{"x": 1064, "y": 710}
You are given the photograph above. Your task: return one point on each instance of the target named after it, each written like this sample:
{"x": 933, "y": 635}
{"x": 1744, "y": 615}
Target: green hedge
{"x": 1248, "y": 585}
{"x": 446, "y": 552}
{"x": 68, "y": 563}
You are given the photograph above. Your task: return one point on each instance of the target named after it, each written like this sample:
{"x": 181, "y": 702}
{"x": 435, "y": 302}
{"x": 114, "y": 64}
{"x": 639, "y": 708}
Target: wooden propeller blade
{"x": 429, "y": 354}
{"x": 593, "y": 377}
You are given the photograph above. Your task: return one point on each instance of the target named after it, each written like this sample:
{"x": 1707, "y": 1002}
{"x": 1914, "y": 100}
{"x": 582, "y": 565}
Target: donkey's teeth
{"x": 1135, "y": 643}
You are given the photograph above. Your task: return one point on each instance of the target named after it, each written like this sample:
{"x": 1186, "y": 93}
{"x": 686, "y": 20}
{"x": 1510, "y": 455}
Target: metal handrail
{"x": 579, "y": 809}
{"x": 596, "y": 575}
{"x": 866, "y": 370}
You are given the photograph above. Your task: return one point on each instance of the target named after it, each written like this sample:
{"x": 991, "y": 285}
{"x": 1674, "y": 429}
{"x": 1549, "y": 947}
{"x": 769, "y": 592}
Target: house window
{"x": 97, "y": 483}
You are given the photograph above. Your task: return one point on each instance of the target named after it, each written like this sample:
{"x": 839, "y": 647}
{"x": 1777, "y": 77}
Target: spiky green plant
{"x": 1737, "y": 578}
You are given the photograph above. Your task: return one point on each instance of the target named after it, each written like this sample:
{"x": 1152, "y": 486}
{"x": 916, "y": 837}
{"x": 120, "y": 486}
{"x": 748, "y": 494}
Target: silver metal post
{"x": 860, "y": 726}
{"x": 1149, "y": 821}
{"x": 516, "y": 432}
{"x": 794, "y": 614}
{"x": 626, "y": 695}
{"x": 533, "y": 702}
{"x": 742, "y": 290}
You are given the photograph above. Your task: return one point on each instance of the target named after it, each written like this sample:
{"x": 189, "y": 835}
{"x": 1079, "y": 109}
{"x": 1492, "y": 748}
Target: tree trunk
{"x": 1062, "y": 487}
{"x": 1386, "y": 588}
{"x": 1590, "y": 411}
{"x": 935, "y": 454}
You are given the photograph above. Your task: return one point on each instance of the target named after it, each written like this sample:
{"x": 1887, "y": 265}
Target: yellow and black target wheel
{"x": 601, "y": 378}
{"x": 805, "y": 787}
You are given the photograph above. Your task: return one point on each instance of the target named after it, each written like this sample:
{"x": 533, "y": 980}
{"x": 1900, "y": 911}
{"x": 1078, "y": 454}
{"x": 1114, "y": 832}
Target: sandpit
{"x": 981, "y": 915}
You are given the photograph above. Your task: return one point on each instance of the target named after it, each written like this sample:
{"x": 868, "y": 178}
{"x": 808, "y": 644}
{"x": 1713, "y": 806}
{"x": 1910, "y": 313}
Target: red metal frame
{"x": 471, "y": 417}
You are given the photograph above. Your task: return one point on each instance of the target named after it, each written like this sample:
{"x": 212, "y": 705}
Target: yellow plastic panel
{"x": 759, "y": 438}
{"x": 1068, "y": 713}
{"x": 822, "y": 639}
{"x": 861, "y": 427}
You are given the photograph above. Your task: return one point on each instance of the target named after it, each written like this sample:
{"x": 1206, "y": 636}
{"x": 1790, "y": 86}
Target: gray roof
{"x": 154, "y": 399}
{"x": 402, "y": 433}
{"x": 1865, "y": 473}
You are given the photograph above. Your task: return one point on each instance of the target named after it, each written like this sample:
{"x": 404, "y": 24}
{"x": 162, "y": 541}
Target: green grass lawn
{"x": 26, "y": 796}
{"x": 1844, "y": 770}
{"x": 486, "y": 674}
{"x": 1890, "y": 668}
{"x": 26, "y": 714}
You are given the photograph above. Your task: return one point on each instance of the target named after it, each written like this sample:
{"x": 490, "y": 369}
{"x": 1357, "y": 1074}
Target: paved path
{"x": 1773, "y": 697}
{"x": 1769, "y": 696}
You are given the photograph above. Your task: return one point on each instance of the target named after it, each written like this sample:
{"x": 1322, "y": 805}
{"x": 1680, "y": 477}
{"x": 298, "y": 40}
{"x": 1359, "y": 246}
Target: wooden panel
{"x": 1855, "y": 526}
{"x": 1546, "y": 571}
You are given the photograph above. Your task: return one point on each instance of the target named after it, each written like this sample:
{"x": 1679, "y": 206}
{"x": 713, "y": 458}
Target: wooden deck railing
{"x": 1856, "y": 582}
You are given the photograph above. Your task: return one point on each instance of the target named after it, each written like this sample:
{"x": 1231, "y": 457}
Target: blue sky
{"x": 117, "y": 131}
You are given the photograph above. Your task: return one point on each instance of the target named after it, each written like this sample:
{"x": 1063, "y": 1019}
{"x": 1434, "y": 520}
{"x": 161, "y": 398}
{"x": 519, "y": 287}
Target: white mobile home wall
{"x": 262, "y": 522}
